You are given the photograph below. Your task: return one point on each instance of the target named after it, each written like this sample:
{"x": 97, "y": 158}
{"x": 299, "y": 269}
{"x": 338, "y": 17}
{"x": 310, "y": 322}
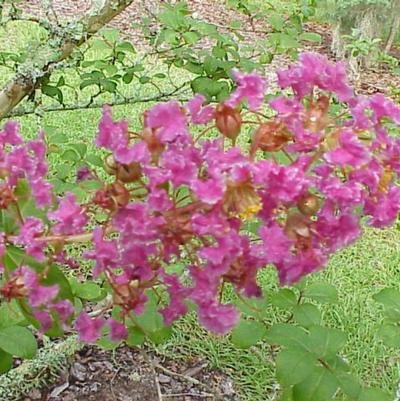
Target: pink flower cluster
{"x": 176, "y": 198}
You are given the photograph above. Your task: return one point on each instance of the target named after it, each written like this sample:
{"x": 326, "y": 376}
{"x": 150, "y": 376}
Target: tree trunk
{"x": 394, "y": 26}
{"x": 46, "y": 58}
{"x": 337, "y": 45}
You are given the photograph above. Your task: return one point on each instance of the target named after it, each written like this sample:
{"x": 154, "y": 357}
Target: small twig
{"x": 152, "y": 365}
{"x": 189, "y": 379}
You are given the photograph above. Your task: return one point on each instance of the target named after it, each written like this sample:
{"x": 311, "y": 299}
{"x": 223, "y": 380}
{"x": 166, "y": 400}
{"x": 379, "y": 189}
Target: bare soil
{"x": 129, "y": 374}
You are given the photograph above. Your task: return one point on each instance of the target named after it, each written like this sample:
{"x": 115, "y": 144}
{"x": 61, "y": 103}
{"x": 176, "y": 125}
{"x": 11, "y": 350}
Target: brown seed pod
{"x": 271, "y": 136}
{"x": 316, "y": 117}
{"x": 309, "y": 204}
{"x": 228, "y": 121}
{"x": 110, "y": 165}
{"x": 297, "y": 226}
{"x": 129, "y": 172}
{"x": 112, "y": 196}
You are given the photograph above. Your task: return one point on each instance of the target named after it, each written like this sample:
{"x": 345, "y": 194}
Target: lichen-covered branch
{"x": 76, "y": 33}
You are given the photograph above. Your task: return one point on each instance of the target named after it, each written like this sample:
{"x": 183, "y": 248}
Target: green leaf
{"x": 64, "y": 170}
{"x": 321, "y": 292}
{"x": 247, "y": 333}
{"x": 285, "y": 299}
{"x": 58, "y": 139}
{"x": 144, "y": 79}
{"x": 307, "y": 315}
{"x": 349, "y": 384}
{"x": 326, "y": 342}
{"x": 107, "y": 344}
{"x": 111, "y": 35}
{"x": 159, "y": 75}
{"x": 81, "y": 148}
{"x": 311, "y": 37}
{"x": 321, "y": 385}
{"x": 135, "y": 336}
{"x": 5, "y": 361}
{"x": 18, "y": 341}
{"x": 255, "y": 307}
{"x": 160, "y": 336}
{"x": 288, "y": 335}
{"x": 390, "y": 299}
{"x": 108, "y": 85}
{"x": 126, "y": 46}
{"x": 150, "y": 320}
{"x": 88, "y": 290}
{"x": 390, "y": 334}
{"x": 277, "y": 22}
{"x": 10, "y": 314}
{"x": 94, "y": 160}
{"x": 70, "y": 155}
{"x": 191, "y": 37}
{"x": 52, "y": 91}
{"x": 374, "y": 394}
{"x": 294, "y": 365}
{"x": 127, "y": 77}
{"x": 210, "y": 65}
{"x": 195, "y": 68}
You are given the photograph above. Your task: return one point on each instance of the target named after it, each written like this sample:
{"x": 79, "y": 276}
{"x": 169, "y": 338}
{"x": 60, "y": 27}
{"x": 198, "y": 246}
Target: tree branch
{"x": 75, "y": 34}
{"x": 82, "y": 106}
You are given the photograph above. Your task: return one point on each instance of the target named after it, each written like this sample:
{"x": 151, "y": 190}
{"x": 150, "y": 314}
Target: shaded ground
{"x": 128, "y": 374}
{"x": 377, "y": 79}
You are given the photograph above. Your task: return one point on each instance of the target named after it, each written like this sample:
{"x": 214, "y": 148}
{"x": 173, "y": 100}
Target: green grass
{"x": 358, "y": 272}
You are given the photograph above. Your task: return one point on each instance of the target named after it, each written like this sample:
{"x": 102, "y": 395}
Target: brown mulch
{"x": 128, "y": 374}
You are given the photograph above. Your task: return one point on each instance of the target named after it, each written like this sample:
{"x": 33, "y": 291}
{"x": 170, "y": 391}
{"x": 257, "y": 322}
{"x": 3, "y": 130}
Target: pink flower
{"x": 118, "y": 330}
{"x": 350, "y": 151}
{"x": 177, "y": 295}
{"x": 29, "y": 231}
{"x": 168, "y": 120}
{"x": 199, "y": 114}
{"x": 38, "y": 295}
{"x": 384, "y": 107}
{"x": 10, "y": 134}
{"x": 210, "y": 191}
{"x": 337, "y": 230}
{"x": 384, "y": 207}
{"x": 89, "y": 329}
{"x": 313, "y": 70}
{"x": 44, "y": 319}
{"x": 105, "y": 253}
{"x": 218, "y": 318}
{"x": 115, "y": 137}
{"x": 250, "y": 86}
{"x": 64, "y": 309}
{"x": 70, "y": 217}
{"x": 276, "y": 243}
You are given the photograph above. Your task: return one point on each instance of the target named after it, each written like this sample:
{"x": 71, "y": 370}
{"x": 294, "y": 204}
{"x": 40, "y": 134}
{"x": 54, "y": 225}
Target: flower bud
{"x": 297, "y": 226}
{"x": 6, "y": 197}
{"x": 110, "y": 165}
{"x": 270, "y": 137}
{"x": 124, "y": 172}
{"x": 316, "y": 117}
{"x": 153, "y": 144}
{"x": 129, "y": 172}
{"x": 228, "y": 121}
{"x": 309, "y": 204}
{"x": 112, "y": 197}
